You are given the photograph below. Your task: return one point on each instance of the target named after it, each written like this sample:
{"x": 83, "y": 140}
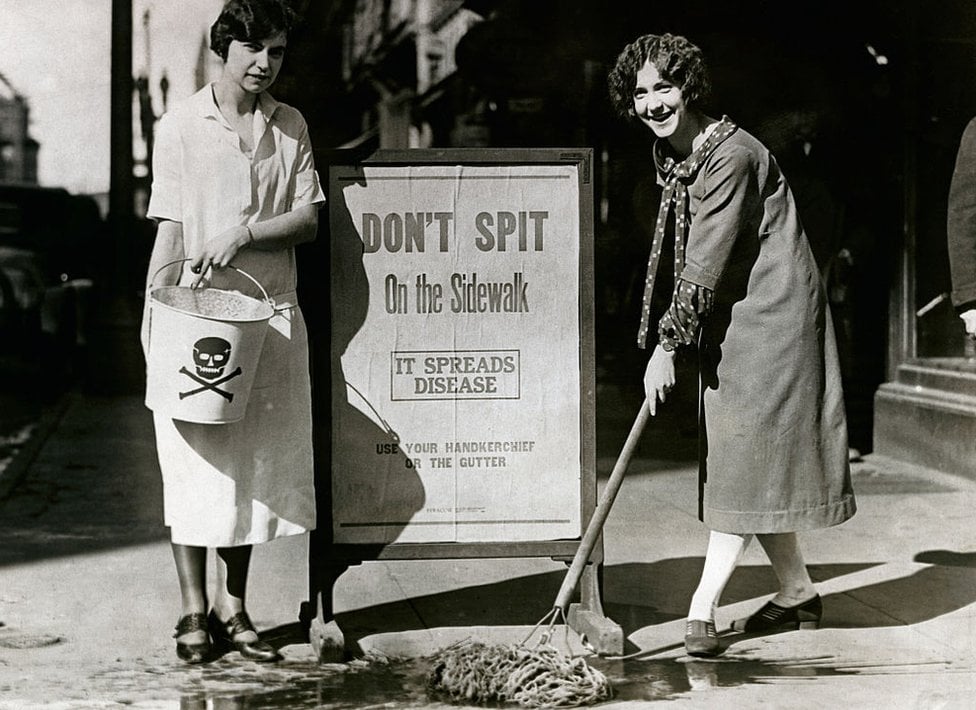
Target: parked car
{"x": 48, "y": 244}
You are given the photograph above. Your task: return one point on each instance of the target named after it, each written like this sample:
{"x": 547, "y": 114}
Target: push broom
{"x": 538, "y": 676}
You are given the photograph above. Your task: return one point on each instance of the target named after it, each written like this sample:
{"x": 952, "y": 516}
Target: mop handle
{"x": 602, "y": 510}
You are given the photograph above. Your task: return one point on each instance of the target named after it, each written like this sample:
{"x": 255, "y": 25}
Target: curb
{"x": 22, "y": 460}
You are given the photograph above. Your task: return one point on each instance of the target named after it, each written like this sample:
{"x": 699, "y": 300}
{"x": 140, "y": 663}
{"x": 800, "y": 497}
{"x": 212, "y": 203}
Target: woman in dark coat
{"x": 961, "y": 228}
{"x": 774, "y": 457}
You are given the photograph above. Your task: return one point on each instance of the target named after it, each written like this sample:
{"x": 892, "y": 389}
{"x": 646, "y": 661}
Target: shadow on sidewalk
{"x": 947, "y": 558}
{"x": 929, "y": 593}
{"x": 92, "y": 488}
{"x": 926, "y": 594}
{"x": 638, "y": 595}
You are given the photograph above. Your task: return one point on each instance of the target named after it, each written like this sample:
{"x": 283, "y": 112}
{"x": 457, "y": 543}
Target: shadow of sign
{"x": 376, "y": 473}
{"x": 335, "y": 289}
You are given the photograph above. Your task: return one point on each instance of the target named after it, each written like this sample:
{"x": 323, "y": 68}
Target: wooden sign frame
{"x": 328, "y": 557}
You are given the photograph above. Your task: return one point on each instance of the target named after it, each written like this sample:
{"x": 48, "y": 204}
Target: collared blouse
{"x": 205, "y": 179}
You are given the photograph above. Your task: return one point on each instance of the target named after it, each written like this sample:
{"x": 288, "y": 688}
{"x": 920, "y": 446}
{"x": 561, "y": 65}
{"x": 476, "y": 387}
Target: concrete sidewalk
{"x": 88, "y": 593}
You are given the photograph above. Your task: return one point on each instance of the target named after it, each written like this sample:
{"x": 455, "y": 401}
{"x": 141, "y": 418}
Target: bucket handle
{"x": 264, "y": 293}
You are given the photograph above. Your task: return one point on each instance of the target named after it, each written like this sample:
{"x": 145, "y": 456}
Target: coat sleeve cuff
{"x": 699, "y": 276}
{"x": 964, "y": 298}
{"x": 967, "y": 306}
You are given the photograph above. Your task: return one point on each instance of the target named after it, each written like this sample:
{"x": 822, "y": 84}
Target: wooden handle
{"x": 602, "y": 510}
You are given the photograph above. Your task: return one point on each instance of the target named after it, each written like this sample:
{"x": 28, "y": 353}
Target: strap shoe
{"x": 773, "y": 617}
{"x": 193, "y": 652}
{"x": 701, "y": 639}
{"x": 225, "y": 633}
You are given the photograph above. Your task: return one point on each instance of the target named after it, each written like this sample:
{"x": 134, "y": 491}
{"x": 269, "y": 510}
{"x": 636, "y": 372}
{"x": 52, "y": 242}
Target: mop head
{"x": 537, "y": 678}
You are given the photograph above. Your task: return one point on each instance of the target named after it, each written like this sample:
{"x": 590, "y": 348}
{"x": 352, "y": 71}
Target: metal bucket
{"x": 203, "y": 350}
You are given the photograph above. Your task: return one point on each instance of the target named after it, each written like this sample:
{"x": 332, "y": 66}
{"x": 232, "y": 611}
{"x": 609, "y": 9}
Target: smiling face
{"x": 254, "y": 64}
{"x": 660, "y": 104}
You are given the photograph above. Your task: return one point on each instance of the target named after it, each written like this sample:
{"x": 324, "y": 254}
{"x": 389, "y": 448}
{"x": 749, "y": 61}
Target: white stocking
{"x": 724, "y": 551}
{"x": 795, "y": 585}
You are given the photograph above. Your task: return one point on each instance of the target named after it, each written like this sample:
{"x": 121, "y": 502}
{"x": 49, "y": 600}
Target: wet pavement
{"x": 400, "y": 683}
{"x": 88, "y": 594}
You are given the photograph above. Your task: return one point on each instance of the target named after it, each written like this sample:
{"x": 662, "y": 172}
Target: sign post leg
{"x": 588, "y": 620}
{"x": 318, "y": 615}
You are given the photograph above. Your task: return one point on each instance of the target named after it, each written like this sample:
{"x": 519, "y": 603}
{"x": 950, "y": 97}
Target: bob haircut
{"x": 675, "y": 58}
{"x": 249, "y": 21}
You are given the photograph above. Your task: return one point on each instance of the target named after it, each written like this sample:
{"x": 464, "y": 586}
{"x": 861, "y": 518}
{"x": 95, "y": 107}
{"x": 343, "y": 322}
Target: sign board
{"x": 461, "y": 335}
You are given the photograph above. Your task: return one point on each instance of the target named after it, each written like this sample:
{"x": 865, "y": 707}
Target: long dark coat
{"x": 774, "y": 453}
{"x": 961, "y": 222}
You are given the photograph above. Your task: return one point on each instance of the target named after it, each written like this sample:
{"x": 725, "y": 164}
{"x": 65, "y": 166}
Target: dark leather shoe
{"x": 773, "y": 617}
{"x": 225, "y": 632}
{"x": 701, "y": 639}
{"x": 192, "y": 652}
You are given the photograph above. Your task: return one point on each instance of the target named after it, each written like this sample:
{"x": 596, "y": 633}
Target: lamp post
{"x": 121, "y": 181}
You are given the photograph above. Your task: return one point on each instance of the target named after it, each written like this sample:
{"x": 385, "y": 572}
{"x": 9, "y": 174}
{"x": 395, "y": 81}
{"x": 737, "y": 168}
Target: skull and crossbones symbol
{"x": 210, "y": 356}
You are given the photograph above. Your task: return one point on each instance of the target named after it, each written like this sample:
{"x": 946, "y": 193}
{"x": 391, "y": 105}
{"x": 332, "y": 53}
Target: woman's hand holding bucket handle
{"x": 219, "y": 252}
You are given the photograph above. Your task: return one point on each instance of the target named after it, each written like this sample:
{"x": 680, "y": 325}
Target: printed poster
{"x": 456, "y": 353}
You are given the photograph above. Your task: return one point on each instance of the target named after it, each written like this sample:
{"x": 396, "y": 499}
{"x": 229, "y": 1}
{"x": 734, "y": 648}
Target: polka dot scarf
{"x": 676, "y": 177}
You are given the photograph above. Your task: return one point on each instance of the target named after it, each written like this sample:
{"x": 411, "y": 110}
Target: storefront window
{"x": 945, "y": 104}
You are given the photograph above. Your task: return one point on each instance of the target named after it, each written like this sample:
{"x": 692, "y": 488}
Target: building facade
{"x": 18, "y": 151}
{"x": 925, "y": 411}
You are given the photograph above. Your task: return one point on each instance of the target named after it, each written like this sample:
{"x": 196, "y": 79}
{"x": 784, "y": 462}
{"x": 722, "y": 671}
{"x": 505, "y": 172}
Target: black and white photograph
{"x": 487, "y": 353}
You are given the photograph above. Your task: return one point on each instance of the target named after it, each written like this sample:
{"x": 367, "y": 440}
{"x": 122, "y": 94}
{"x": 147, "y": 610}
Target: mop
{"x": 537, "y": 676}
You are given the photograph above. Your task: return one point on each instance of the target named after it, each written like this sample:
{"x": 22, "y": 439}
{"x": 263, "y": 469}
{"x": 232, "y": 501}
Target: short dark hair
{"x": 250, "y": 20}
{"x": 676, "y": 59}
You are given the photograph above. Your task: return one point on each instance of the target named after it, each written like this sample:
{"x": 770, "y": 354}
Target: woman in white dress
{"x": 234, "y": 182}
